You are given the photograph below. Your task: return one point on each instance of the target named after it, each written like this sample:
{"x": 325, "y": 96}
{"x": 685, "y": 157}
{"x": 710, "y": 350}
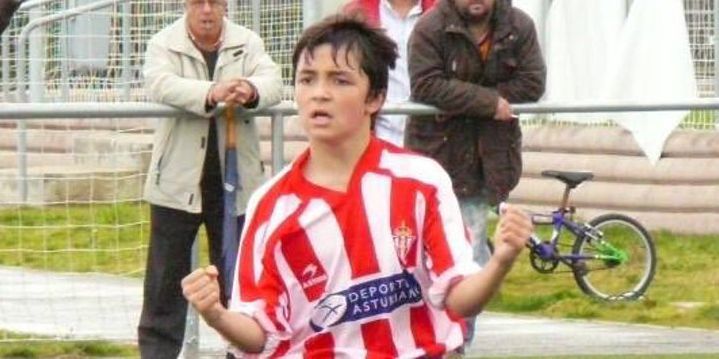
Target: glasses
{"x": 212, "y": 3}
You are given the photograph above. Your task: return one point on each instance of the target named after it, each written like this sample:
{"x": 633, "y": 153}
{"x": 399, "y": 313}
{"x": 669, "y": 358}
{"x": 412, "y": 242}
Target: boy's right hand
{"x": 202, "y": 290}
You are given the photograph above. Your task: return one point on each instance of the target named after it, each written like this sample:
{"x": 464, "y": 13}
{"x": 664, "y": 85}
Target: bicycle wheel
{"x": 622, "y": 258}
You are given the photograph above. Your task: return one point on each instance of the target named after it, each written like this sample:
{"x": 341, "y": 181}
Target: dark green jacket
{"x": 7, "y": 9}
{"x": 447, "y": 72}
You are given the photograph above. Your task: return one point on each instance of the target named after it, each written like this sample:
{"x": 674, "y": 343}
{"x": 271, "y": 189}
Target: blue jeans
{"x": 474, "y": 212}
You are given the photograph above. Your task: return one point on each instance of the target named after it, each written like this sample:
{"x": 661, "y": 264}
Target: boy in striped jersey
{"x": 357, "y": 249}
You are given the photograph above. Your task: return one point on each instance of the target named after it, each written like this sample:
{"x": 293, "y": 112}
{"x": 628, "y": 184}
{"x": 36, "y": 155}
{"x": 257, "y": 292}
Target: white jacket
{"x": 176, "y": 74}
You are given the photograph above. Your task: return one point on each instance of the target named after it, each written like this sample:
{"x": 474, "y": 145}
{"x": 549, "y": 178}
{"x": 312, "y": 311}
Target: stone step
{"x": 126, "y": 125}
{"x": 70, "y": 146}
{"x": 9, "y": 159}
{"x": 41, "y": 140}
{"x": 293, "y": 130}
{"x": 622, "y": 196}
{"x": 626, "y": 169}
{"x": 291, "y": 150}
{"x": 101, "y": 148}
{"x": 47, "y": 185}
{"x": 616, "y": 141}
{"x": 123, "y": 150}
{"x": 59, "y": 136}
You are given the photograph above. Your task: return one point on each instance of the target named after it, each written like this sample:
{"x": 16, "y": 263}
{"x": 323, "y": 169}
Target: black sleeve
{"x": 7, "y": 9}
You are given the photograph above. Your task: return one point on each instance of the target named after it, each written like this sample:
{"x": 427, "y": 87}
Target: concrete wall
{"x": 680, "y": 193}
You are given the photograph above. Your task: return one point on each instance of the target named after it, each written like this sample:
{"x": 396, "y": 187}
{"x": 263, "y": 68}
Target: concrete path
{"x": 101, "y": 306}
{"x": 511, "y": 335}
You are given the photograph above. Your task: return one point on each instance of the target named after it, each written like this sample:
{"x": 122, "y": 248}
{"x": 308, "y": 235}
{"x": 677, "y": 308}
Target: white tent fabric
{"x": 652, "y": 63}
{"x": 580, "y": 38}
{"x": 596, "y": 52}
{"x": 536, "y": 9}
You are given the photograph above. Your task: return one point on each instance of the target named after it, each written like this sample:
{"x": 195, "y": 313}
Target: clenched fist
{"x": 202, "y": 290}
{"x": 512, "y": 233}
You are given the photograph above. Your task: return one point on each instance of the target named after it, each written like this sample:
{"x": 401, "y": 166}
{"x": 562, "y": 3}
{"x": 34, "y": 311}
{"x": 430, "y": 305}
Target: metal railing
{"x": 35, "y": 72}
{"x": 21, "y": 111}
{"x": 75, "y": 110}
{"x": 34, "y": 24}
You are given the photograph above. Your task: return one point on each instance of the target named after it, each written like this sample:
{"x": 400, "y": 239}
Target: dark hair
{"x": 376, "y": 53}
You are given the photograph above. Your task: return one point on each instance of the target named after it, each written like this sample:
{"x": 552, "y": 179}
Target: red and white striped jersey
{"x": 356, "y": 274}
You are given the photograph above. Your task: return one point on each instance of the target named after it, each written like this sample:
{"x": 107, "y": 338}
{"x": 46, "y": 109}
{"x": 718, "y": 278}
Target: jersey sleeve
{"x": 449, "y": 252}
{"x": 259, "y": 291}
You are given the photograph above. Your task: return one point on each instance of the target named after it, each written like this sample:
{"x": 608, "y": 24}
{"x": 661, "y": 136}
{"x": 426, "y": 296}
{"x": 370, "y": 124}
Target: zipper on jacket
{"x": 202, "y": 144}
{"x": 159, "y": 167}
{"x": 192, "y": 196}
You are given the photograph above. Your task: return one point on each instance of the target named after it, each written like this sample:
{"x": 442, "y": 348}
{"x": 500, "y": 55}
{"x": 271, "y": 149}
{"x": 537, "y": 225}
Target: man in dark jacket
{"x": 471, "y": 59}
{"x": 7, "y": 9}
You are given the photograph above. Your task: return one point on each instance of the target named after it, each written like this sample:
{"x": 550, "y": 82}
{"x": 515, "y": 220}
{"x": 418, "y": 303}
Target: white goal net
{"x": 73, "y": 228}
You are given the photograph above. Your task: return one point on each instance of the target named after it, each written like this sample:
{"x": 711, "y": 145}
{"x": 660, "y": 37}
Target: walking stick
{"x": 231, "y": 184}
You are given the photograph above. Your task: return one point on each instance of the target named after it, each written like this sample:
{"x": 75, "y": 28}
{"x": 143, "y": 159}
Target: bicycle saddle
{"x": 570, "y": 178}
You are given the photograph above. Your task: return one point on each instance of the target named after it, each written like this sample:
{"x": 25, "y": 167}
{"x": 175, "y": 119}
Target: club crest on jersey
{"x": 403, "y": 239}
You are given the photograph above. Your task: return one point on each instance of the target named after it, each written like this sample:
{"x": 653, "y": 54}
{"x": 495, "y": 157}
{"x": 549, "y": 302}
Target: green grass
{"x": 97, "y": 238}
{"x": 699, "y": 120}
{"x": 113, "y": 239}
{"x": 101, "y": 238}
{"x": 623, "y": 356}
{"x": 684, "y": 291}
{"x": 20, "y": 346}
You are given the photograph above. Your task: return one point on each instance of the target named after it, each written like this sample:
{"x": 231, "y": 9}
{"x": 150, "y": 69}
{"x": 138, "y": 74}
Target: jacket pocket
{"x": 160, "y": 152}
{"x": 233, "y": 63}
{"x": 177, "y": 192}
{"x": 501, "y": 152}
{"x": 425, "y": 135}
{"x": 507, "y": 67}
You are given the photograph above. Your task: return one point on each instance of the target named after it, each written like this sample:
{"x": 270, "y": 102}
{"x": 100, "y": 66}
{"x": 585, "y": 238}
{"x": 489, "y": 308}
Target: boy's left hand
{"x": 512, "y": 233}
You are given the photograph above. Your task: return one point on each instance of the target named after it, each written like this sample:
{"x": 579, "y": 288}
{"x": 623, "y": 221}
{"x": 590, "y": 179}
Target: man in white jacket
{"x": 198, "y": 61}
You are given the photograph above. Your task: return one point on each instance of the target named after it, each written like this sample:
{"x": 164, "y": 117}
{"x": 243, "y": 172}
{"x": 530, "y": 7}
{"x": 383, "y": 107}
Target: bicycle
{"x": 613, "y": 256}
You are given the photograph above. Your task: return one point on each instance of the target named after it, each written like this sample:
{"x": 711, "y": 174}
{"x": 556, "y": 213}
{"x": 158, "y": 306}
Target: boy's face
{"x": 331, "y": 94}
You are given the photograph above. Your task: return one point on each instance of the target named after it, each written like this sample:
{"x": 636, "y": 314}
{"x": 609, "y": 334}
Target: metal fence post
{"x": 191, "y": 346}
{"x": 36, "y": 57}
{"x": 278, "y": 152}
{"x": 64, "y": 45}
{"x": 716, "y": 47}
{"x": 256, "y": 17}
{"x": 5, "y": 55}
{"x": 126, "y": 71}
{"x": 232, "y": 10}
{"x": 310, "y": 12}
